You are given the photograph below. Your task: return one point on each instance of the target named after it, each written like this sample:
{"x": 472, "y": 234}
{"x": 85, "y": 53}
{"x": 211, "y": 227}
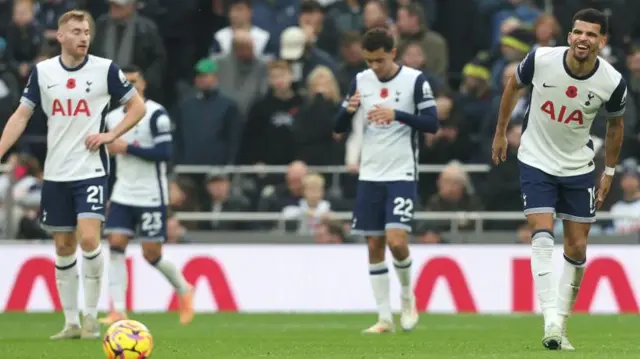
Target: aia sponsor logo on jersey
{"x": 70, "y": 107}
{"x": 560, "y": 114}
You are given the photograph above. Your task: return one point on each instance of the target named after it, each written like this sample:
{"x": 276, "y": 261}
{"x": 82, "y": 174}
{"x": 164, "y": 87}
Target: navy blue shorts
{"x": 382, "y": 205}
{"x": 148, "y": 222}
{"x": 62, "y": 203}
{"x": 572, "y": 198}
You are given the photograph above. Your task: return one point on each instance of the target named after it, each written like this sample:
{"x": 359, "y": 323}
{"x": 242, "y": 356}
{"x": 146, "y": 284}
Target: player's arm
{"x": 18, "y": 121}
{"x": 123, "y": 91}
{"x": 523, "y": 77}
{"x": 615, "y": 107}
{"x": 426, "y": 119}
{"x": 161, "y": 132}
{"x": 344, "y": 118}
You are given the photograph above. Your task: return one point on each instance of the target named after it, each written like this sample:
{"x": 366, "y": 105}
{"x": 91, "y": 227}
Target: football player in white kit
{"x": 74, "y": 91}
{"x": 398, "y": 104}
{"x": 139, "y": 201}
{"x": 568, "y": 85}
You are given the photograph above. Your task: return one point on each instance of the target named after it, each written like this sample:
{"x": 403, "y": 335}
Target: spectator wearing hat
{"x": 128, "y": 38}
{"x": 221, "y": 200}
{"x": 514, "y": 46}
{"x": 240, "y": 18}
{"x": 474, "y": 99}
{"x": 297, "y": 47}
{"x": 412, "y": 26}
{"x": 208, "y": 123}
{"x": 630, "y": 203}
{"x": 242, "y": 76}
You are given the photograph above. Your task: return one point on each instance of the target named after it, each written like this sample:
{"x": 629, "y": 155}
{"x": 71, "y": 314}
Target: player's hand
{"x": 499, "y": 149}
{"x": 353, "y": 102}
{"x": 381, "y": 115}
{"x": 94, "y": 142}
{"x": 603, "y": 189}
{"x": 117, "y": 146}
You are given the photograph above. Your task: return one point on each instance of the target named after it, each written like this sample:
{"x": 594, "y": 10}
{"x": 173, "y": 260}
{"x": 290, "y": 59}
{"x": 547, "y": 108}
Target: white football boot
{"x": 409, "y": 313}
{"x": 552, "y": 339}
{"x": 70, "y": 331}
{"x": 90, "y": 328}
{"x": 381, "y": 327}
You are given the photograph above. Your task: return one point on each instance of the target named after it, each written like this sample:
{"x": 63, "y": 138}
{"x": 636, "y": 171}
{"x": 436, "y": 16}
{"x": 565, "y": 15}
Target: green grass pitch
{"x": 333, "y": 336}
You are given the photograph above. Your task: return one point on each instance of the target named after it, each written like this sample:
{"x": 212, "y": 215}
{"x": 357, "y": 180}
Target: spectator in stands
{"x": 501, "y": 190}
{"x": 26, "y": 194}
{"x": 128, "y": 38}
{"x": 351, "y": 62}
{"x": 412, "y": 26}
{"x": 268, "y": 137}
{"x": 455, "y": 194}
{"x": 10, "y": 90}
{"x": 546, "y": 31}
{"x": 514, "y": 46}
{"x": 312, "y": 127}
{"x": 474, "y": 99}
{"x": 521, "y": 10}
{"x": 176, "y": 232}
{"x": 330, "y": 232}
{"x": 184, "y": 197}
{"x": 208, "y": 123}
{"x": 413, "y": 55}
{"x": 240, "y": 18}
{"x": 320, "y": 30}
{"x": 631, "y": 120}
{"x": 629, "y": 205}
{"x": 221, "y": 200}
{"x": 304, "y": 56}
{"x": 275, "y": 17}
{"x": 450, "y": 143}
{"x": 241, "y": 75}
{"x": 24, "y": 39}
{"x": 49, "y": 11}
{"x": 375, "y": 14}
{"x": 276, "y": 198}
{"x": 347, "y": 16}
{"x": 308, "y": 213}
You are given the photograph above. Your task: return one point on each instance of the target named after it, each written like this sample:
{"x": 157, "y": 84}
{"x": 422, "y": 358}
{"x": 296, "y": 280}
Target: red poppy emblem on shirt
{"x": 384, "y": 93}
{"x": 572, "y": 91}
{"x": 71, "y": 83}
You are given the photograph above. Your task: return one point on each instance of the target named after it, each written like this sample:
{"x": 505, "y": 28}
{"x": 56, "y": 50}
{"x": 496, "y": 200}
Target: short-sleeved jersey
{"x": 390, "y": 152}
{"x": 141, "y": 182}
{"x": 555, "y": 133}
{"x": 75, "y": 101}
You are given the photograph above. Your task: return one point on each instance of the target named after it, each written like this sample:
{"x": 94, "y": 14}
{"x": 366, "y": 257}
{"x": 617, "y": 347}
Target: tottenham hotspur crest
{"x": 590, "y": 97}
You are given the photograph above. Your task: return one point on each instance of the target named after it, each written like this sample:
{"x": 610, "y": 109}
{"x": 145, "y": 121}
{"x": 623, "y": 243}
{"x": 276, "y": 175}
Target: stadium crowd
{"x": 258, "y": 81}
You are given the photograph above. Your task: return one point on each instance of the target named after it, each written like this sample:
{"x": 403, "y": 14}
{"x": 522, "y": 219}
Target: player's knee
{"x": 65, "y": 244}
{"x": 118, "y": 242}
{"x": 575, "y": 247}
{"x": 151, "y": 253}
{"x": 540, "y": 221}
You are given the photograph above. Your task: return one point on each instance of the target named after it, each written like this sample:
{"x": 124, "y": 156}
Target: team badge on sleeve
{"x": 123, "y": 78}
{"x": 426, "y": 90}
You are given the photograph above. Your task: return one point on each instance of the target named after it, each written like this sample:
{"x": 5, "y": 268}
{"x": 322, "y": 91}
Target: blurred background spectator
{"x": 256, "y": 82}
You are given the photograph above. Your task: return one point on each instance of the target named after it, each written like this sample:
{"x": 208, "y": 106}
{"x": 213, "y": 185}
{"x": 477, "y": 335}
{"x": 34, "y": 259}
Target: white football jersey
{"x": 141, "y": 182}
{"x": 75, "y": 101}
{"x": 555, "y": 132}
{"x": 390, "y": 152}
